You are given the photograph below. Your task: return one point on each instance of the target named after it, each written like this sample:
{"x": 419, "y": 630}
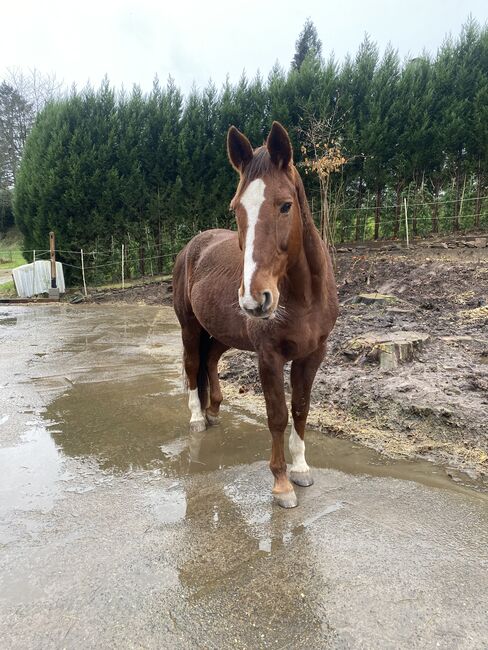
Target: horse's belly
{"x": 215, "y": 305}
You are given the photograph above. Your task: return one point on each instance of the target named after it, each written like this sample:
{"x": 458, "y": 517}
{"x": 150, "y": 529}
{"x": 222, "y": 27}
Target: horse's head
{"x": 268, "y": 216}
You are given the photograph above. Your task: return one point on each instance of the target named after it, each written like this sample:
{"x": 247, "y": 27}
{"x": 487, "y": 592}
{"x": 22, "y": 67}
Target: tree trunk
{"x": 435, "y": 211}
{"x": 377, "y": 214}
{"x": 398, "y": 210}
{"x": 142, "y": 268}
{"x": 479, "y": 182}
{"x": 126, "y": 258}
{"x": 358, "y": 213}
{"x": 159, "y": 249}
{"x": 455, "y": 221}
{"x": 324, "y": 213}
{"x": 415, "y": 206}
{"x": 415, "y": 231}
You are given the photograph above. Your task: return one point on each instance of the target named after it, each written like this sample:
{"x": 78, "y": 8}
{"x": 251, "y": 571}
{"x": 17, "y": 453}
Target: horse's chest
{"x": 297, "y": 348}
{"x": 301, "y": 342}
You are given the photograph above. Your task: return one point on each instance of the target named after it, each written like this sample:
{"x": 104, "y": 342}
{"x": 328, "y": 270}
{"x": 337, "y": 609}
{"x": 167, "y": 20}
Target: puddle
{"x": 30, "y": 471}
{"x": 115, "y": 402}
{"x": 143, "y": 424}
{"x": 7, "y": 321}
{"x": 124, "y": 407}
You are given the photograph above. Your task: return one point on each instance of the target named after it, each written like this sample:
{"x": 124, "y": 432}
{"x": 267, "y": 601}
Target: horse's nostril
{"x": 267, "y": 301}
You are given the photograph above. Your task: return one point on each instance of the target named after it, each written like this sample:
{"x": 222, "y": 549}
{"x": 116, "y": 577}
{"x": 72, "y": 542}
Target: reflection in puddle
{"x": 29, "y": 474}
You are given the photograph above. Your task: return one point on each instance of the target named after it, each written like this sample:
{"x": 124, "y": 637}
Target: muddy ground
{"x": 435, "y": 406}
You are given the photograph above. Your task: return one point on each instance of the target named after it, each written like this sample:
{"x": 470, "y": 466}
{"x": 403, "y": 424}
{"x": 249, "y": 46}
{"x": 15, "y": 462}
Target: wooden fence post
{"x": 83, "y": 274}
{"x": 406, "y": 222}
{"x": 33, "y": 272}
{"x": 123, "y": 286}
{"x": 53, "y": 260}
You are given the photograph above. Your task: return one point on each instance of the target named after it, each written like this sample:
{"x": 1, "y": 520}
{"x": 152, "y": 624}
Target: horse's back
{"x": 207, "y": 252}
{"x": 210, "y": 259}
{"x": 199, "y": 245}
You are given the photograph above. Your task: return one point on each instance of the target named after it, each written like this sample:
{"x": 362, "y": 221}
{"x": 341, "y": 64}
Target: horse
{"x": 267, "y": 288}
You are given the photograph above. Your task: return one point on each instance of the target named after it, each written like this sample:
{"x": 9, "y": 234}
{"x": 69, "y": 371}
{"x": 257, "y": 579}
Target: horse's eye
{"x": 285, "y": 208}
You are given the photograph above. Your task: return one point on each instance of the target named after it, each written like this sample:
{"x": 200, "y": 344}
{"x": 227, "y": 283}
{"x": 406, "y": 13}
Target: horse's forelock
{"x": 260, "y": 165}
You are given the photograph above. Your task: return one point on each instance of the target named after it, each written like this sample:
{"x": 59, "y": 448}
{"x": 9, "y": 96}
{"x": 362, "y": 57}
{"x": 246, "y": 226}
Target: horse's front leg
{"x": 271, "y": 373}
{"x": 303, "y": 373}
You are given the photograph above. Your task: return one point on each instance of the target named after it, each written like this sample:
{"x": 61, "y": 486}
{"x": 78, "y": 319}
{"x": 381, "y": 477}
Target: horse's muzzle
{"x": 255, "y": 309}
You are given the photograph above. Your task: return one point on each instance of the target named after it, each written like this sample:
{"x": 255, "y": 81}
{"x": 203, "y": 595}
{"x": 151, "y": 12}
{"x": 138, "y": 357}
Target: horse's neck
{"x": 314, "y": 248}
{"x": 306, "y": 280}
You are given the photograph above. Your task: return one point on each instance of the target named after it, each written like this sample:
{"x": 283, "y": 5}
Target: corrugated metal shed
{"x": 33, "y": 279}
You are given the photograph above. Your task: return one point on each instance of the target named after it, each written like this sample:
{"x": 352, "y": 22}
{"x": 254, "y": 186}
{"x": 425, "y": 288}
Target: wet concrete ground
{"x": 118, "y": 529}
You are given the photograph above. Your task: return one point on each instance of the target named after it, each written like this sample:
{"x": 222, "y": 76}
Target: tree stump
{"x": 375, "y": 299}
{"x": 389, "y": 349}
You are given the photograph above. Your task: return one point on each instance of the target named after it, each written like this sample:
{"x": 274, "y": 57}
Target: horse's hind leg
{"x": 191, "y": 334}
{"x": 217, "y": 349}
{"x": 303, "y": 373}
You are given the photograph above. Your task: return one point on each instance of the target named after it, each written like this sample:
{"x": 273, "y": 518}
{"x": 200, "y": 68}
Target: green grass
{"x": 7, "y": 290}
{"x": 11, "y": 245}
{"x": 10, "y": 250}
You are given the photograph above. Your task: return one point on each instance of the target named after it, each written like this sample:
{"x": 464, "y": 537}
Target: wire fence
{"x": 149, "y": 256}
{"x": 410, "y": 213}
{"x": 118, "y": 263}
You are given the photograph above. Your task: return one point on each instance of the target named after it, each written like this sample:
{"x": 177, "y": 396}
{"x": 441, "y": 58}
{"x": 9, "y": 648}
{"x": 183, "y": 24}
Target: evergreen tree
{"x": 6, "y": 211}
{"x": 380, "y": 131}
{"x": 152, "y": 170}
{"x": 308, "y": 44}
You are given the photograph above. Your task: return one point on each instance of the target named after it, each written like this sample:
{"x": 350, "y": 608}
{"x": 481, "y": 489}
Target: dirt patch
{"x": 434, "y": 406}
{"x": 158, "y": 293}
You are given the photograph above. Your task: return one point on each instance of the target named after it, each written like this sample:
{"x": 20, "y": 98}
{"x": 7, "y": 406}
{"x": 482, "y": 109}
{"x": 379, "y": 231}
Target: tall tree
{"x": 308, "y": 44}
{"x": 380, "y": 131}
{"x": 16, "y": 118}
{"x": 355, "y": 90}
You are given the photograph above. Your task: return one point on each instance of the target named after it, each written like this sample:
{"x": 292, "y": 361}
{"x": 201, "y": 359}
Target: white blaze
{"x": 194, "y": 405}
{"x": 252, "y": 200}
{"x": 297, "y": 450}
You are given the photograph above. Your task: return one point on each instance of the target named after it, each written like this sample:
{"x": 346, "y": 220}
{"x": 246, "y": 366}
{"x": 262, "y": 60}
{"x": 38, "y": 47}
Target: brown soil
{"x": 435, "y": 406}
{"x": 148, "y": 294}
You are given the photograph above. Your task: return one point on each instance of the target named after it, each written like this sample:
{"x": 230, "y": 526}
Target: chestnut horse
{"x": 269, "y": 287}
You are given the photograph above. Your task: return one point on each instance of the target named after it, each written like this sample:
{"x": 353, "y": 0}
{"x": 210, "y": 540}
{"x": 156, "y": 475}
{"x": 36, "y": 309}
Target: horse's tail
{"x": 202, "y": 377}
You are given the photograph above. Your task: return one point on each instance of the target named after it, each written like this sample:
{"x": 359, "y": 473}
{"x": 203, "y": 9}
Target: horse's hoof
{"x": 304, "y": 479}
{"x": 212, "y": 419}
{"x": 197, "y": 426}
{"x": 286, "y": 499}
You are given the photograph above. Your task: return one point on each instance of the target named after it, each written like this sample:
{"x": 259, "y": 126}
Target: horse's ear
{"x": 239, "y": 149}
{"x": 279, "y": 146}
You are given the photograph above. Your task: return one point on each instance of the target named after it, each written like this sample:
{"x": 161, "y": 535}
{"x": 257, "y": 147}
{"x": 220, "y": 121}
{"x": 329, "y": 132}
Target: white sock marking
{"x": 194, "y": 406}
{"x": 297, "y": 450}
{"x": 252, "y": 200}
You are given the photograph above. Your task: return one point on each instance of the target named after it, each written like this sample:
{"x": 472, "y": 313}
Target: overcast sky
{"x": 133, "y": 41}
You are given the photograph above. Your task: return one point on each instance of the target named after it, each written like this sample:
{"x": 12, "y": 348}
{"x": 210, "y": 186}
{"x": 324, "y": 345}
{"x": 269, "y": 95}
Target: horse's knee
{"x": 277, "y": 422}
